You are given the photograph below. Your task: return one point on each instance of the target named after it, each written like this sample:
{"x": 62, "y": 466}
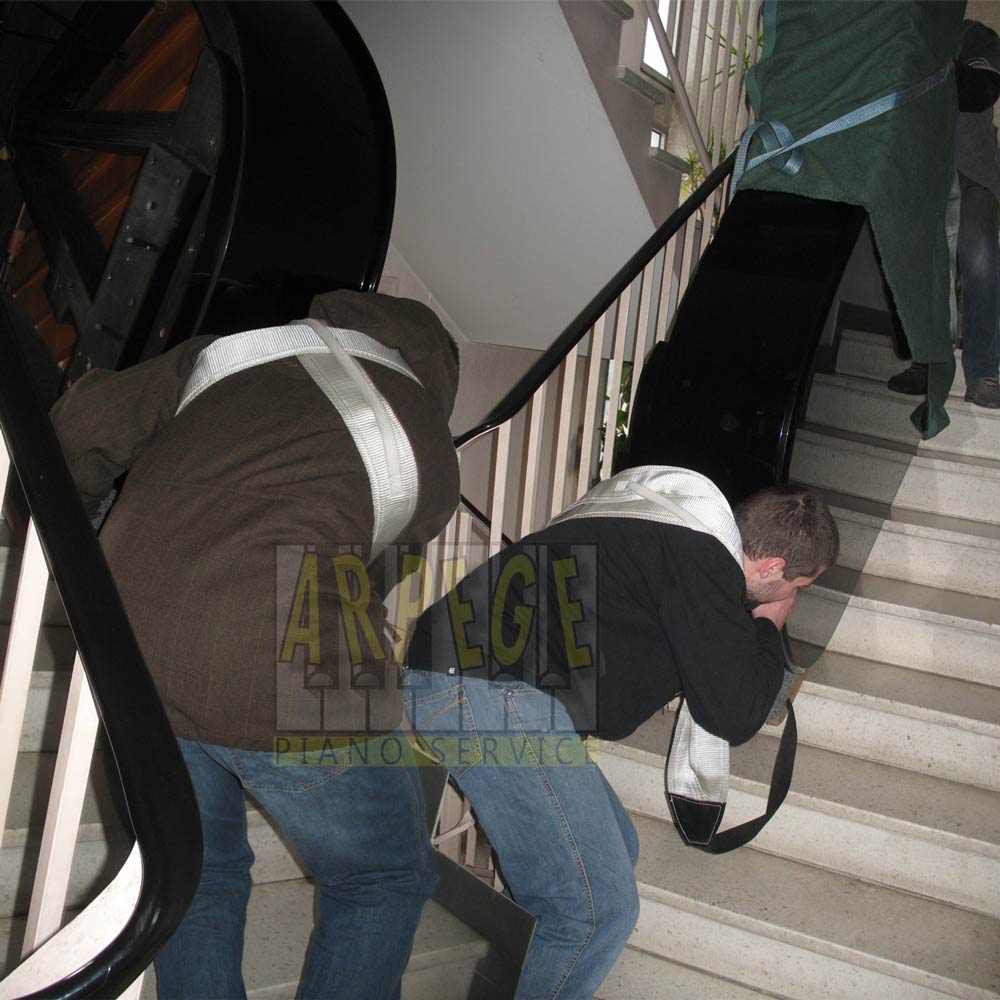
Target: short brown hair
{"x": 791, "y": 522}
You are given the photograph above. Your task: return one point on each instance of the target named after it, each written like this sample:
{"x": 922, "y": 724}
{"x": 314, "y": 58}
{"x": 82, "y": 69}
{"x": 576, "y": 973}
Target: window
{"x": 652, "y": 58}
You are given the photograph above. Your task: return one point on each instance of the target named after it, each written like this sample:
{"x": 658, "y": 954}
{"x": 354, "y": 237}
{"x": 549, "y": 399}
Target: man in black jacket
{"x": 589, "y": 627}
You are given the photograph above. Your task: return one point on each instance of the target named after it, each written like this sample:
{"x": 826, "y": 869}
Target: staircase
{"x": 880, "y": 876}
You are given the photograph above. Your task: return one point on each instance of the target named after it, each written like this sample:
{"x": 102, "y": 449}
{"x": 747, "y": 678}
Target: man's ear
{"x": 771, "y": 568}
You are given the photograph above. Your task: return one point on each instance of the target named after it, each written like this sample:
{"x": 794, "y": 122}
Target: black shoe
{"x": 984, "y": 392}
{"x": 912, "y": 382}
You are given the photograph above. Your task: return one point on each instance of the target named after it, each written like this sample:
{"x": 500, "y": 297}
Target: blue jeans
{"x": 979, "y": 266}
{"x": 362, "y": 834}
{"x": 565, "y": 844}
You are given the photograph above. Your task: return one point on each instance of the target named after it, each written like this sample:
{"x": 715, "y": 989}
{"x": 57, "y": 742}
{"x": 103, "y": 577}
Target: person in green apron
{"x": 977, "y": 191}
{"x": 891, "y": 65}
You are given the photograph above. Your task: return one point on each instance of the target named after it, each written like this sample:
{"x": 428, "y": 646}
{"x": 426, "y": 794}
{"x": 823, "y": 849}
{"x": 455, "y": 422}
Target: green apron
{"x": 824, "y": 59}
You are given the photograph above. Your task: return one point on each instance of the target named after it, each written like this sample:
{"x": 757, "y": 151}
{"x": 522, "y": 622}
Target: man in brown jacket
{"x": 240, "y": 544}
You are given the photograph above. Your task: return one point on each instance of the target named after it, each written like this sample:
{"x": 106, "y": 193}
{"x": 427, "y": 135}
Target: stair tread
{"x": 875, "y": 387}
{"x": 972, "y": 608}
{"x": 639, "y": 974}
{"x": 835, "y": 780}
{"x": 878, "y": 349}
{"x": 280, "y": 915}
{"x": 820, "y": 910}
{"x": 279, "y": 918}
{"x": 895, "y": 685}
{"x": 821, "y": 433}
{"x": 910, "y": 520}
{"x": 32, "y": 781}
{"x": 859, "y": 404}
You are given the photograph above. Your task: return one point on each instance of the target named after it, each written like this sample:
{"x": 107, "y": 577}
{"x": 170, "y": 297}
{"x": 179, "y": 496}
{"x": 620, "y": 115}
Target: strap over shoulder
{"x": 330, "y": 356}
{"x": 663, "y": 493}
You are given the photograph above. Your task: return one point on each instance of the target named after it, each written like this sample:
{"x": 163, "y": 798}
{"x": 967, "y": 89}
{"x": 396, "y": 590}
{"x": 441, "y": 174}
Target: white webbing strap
{"x": 724, "y": 527}
{"x": 698, "y": 765}
{"x": 232, "y": 354}
{"x": 665, "y": 494}
{"x": 379, "y": 436}
{"x": 328, "y": 355}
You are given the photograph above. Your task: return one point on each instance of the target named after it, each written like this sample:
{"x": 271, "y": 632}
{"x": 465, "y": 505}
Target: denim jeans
{"x": 565, "y": 844}
{"x": 979, "y": 266}
{"x": 360, "y": 831}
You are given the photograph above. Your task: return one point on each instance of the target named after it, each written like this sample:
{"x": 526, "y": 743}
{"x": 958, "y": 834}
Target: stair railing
{"x": 105, "y": 948}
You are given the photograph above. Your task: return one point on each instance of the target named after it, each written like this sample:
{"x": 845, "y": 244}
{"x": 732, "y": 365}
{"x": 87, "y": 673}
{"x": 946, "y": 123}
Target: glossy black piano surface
{"x": 724, "y": 394}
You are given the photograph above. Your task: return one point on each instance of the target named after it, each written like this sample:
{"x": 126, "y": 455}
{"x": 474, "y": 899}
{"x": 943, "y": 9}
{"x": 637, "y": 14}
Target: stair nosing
{"x": 898, "y": 451}
{"x": 881, "y": 510}
{"x": 864, "y": 593}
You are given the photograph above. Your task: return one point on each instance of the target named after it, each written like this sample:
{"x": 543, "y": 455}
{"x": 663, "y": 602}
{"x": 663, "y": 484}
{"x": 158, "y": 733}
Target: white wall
{"x": 514, "y": 201}
{"x": 487, "y": 370}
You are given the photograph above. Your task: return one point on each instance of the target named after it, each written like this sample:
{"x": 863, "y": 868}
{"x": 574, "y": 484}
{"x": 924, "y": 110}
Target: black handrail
{"x": 158, "y": 796}
{"x": 517, "y": 398}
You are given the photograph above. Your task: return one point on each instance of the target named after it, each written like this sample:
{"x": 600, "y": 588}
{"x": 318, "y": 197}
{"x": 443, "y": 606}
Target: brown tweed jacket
{"x": 223, "y": 539}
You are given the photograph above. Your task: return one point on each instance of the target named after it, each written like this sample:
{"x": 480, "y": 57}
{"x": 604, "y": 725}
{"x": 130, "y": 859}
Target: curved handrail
{"x": 517, "y": 398}
{"x": 158, "y": 795}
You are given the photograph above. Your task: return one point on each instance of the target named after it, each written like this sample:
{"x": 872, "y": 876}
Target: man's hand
{"x": 775, "y": 611}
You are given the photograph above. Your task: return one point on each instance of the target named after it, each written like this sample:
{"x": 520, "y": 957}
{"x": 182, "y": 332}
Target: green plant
{"x": 752, "y": 46}
{"x": 622, "y": 412}
{"x": 694, "y": 176}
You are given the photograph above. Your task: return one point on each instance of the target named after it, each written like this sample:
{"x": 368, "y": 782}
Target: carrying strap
{"x": 731, "y": 539}
{"x": 329, "y": 356}
{"x": 778, "y": 140}
{"x": 784, "y": 762}
{"x": 781, "y": 781}
{"x": 232, "y": 354}
{"x": 738, "y": 836}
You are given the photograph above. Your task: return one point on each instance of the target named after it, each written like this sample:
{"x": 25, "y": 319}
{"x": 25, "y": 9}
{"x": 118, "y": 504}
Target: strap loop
{"x": 777, "y": 139}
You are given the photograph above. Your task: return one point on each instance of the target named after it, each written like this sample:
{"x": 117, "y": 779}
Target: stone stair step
{"x": 279, "y": 922}
{"x": 902, "y": 829}
{"x": 101, "y": 837}
{"x": 32, "y": 783}
{"x": 906, "y": 624}
{"x": 911, "y": 693}
{"x": 936, "y": 725}
{"x": 100, "y": 853}
{"x": 945, "y": 557}
{"x": 951, "y": 485}
{"x": 859, "y": 404}
{"x": 638, "y": 974}
{"x": 870, "y": 355}
{"x": 914, "y": 518}
{"x": 800, "y": 932}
